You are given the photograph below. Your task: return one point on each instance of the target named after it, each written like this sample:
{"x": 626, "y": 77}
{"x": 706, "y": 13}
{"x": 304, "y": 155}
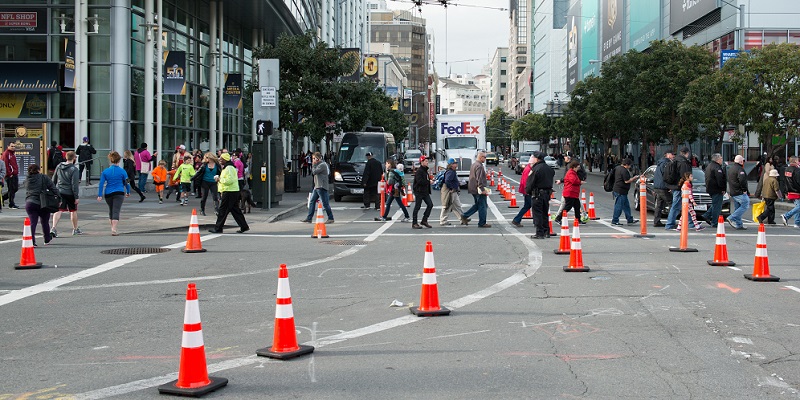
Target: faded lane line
{"x": 793, "y": 288}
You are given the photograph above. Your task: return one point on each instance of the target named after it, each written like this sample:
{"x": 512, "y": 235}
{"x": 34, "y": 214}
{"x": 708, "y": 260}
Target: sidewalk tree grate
{"x": 345, "y": 242}
{"x": 127, "y": 251}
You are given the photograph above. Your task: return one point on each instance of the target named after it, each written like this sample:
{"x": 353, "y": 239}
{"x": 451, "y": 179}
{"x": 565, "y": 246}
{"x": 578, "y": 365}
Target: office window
{"x": 502, "y": 72}
{"x": 502, "y": 85}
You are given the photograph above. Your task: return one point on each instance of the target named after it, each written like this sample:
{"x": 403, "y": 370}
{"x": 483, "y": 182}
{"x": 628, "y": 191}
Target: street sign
{"x": 269, "y": 96}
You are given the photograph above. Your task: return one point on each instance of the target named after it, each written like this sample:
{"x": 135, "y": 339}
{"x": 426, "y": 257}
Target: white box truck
{"x": 460, "y": 136}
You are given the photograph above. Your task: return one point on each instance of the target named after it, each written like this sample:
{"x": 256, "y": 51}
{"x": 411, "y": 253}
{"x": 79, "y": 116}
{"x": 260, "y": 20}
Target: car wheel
{"x": 636, "y": 203}
{"x": 337, "y": 197}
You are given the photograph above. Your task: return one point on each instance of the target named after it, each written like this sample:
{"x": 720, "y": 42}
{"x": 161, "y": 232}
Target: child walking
{"x": 159, "y": 179}
{"x": 687, "y": 177}
{"x": 184, "y": 174}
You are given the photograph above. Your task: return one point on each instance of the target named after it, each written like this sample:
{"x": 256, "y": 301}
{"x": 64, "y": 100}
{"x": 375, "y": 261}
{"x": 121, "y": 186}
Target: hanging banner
{"x": 353, "y": 57}
{"x": 613, "y": 11}
{"x": 394, "y": 93}
{"x": 573, "y": 45}
{"x": 371, "y": 67}
{"x": 232, "y": 97}
{"x": 645, "y": 23}
{"x": 589, "y": 57}
{"x": 174, "y": 72}
{"x": 69, "y": 63}
{"x": 29, "y": 77}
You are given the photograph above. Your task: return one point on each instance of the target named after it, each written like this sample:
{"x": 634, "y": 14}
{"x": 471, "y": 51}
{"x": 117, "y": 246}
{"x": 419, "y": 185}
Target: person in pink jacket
{"x": 572, "y": 191}
{"x": 526, "y": 205}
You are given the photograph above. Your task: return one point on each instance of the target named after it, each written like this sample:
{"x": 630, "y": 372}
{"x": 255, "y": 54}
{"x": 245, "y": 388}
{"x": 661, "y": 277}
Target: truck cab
{"x": 351, "y": 160}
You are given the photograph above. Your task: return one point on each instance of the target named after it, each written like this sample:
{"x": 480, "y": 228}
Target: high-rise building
{"x": 344, "y": 23}
{"x": 548, "y": 53}
{"x": 519, "y": 80}
{"x": 499, "y": 74}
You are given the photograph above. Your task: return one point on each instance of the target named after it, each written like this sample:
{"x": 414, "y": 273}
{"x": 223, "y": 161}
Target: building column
{"x": 221, "y": 79}
{"x": 120, "y": 74}
{"x": 148, "y": 72}
{"x": 160, "y": 81}
{"x": 212, "y": 79}
{"x": 80, "y": 65}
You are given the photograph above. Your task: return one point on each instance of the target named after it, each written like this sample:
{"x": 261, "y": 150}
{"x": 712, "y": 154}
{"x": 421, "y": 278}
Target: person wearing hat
{"x": 177, "y": 158}
{"x": 737, "y": 189}
{"x": 422, "y": 192}
{"x": 539, "y": 185}
{"x": 450, "y": 191}
{"x": 769, "y": 192}
{"x": 85, "y": 152}
{"x": 622, "y": 185}
{"x": 373, "y": 171}
{"x": 228, "y": 188}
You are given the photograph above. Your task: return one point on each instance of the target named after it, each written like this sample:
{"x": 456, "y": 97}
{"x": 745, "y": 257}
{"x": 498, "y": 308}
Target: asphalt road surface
{"x": 643, "y": 323}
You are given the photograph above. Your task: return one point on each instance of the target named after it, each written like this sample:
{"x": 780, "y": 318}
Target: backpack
{"x": 56, "y": 157}
{"x": 608, "y": 181}
{"x": 438, "y": 180}
{"x": 671, "y": 175}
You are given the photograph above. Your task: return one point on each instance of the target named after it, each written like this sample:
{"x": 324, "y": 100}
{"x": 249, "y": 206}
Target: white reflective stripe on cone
{"x": 194, "y": 229}
{"x": 191, "y": 314}
{"x": 721, "y": 240}
{"x": 576, "y": 245}
{"x": 192, "y": 340}
{"x": 429, "y": 279}
{"x": 284, "y": 311}
{"x": 428, "y": 261}
{"x": 27, "y": 243}
{"x": 761, "y": 252}
{"x": 284, "y": 292}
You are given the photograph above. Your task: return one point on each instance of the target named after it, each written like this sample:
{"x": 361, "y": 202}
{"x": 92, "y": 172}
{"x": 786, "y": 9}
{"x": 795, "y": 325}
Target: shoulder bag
{"x": 49, "y": 200}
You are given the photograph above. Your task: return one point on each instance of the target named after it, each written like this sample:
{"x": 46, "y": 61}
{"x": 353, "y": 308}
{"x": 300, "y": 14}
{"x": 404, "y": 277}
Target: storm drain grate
{"x": 345, "y": 242}
{"x": 128, "y": 251}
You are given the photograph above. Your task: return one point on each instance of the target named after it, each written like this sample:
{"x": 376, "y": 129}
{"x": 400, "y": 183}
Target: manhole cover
{"x": 127, "y": 251}
{"x": 345, "y": 242}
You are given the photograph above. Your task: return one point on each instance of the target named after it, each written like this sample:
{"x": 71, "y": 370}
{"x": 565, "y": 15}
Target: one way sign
{"x": 264, "y": 128}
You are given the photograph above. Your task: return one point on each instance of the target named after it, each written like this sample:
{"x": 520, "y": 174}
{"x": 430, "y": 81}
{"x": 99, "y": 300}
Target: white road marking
{"x": 793, "y": 288}
{"x": 457, "y": 334}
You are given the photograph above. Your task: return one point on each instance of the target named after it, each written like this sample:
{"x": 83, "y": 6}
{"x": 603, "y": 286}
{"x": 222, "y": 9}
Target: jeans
{"x": 712, "y": 215}
{"x": 674, "y": 209}
{"x": 742, "y": 203}
{"x": 206, "y": 188}
{"x": 479, "y": 206}
{"x": 142, "y": 181}
{"x": 794, "y": 213}
{"x": 322, "y": 195}
{"x": 662, "y": 197}
{"x": 389, "y": 206}
{"x": 621, "y": 204}
{"x": 526, "y": 205}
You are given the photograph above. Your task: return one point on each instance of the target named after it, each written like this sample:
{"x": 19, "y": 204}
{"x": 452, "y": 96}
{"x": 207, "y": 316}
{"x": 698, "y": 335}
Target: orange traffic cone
{"x": 193, "y": 244}
{"x": 409, "y": 195}
{"x": 429, "y": 298}
{"x": 576, "y": 252}
{"x": 529, "y": 215}
{"x": 583, "y": 200}
{"x": 193, "y": 379}
{"x": 27, "y": 259}
{"x": 684, "y": 222}
{"x": 761, "y": 264}
{"x": 491, "y": 181}
{"x": 513, "y": 202}
{"x": 319, "y": 226}
{"x": 721, "y": 248}
{"x": 592, "y": 215}
{"x": 284, "y": 338}
{"x": 564, "y": 243}
{"x": 550, "y": 222}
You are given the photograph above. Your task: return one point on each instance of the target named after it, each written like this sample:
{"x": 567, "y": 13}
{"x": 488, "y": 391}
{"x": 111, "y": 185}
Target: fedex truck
{"x": 460, "y": 136}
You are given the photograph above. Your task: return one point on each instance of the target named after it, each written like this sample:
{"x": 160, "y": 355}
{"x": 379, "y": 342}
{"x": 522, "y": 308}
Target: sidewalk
{"x": 149, "y": 216}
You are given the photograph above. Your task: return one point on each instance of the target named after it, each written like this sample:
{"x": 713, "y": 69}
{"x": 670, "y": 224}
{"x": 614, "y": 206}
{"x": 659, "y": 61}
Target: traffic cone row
{"x": 319, "y": 225}
{"x": 193, "y": 243}
{"x": 564, "y": 245}
{"x": 721, "y": 247}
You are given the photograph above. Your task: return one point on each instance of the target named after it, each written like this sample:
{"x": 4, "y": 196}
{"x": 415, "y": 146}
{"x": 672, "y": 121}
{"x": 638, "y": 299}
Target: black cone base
{"x": 170, "y": 388}
{"x": 430, "y": 313}
{"x": 193, "y": 251}
{"x": 721, "y": 263}
{"x": 267, "y": 352}
{"x": 768, "y": 278}
{"x": 34, "y": 266}
{"x": 574, "y": 269}
{"x": 646, "y": 235}
{"x": 685, "y": 250}
{"x": 557, "y": 251}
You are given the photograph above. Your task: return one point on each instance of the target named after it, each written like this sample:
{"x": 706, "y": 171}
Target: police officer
{"x": 539, "y": 186}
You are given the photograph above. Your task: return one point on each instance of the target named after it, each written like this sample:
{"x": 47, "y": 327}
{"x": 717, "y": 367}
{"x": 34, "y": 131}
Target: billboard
{"x": 613, "y": 13}
{"x": 683, "y": 13}
{"x": 573, "y": 45}
{"x": 644, "y": 25}
{"x": 232, "y": 95}
{"x": 174, "y": 75}
{"x": 590, "y": 42}
{"x": 353, "y": 56}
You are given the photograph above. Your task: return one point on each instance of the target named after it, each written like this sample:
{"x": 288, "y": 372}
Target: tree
{"x": 714, "y": 104}
{"x": 535, "y": 127}
{"x": 497, "y": 127}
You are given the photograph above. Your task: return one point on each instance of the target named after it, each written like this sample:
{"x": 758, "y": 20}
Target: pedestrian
{"x": 228, "y": 187}
{"x": 55, "y": 156}
{"x": 114, "y": 187}
{"x": 716, "y": 184}
{"x": 572, "y": 191}
{"x": 737, "y": 188}
{"x": 476, "y": 186}
{"x": 184, "y": 175}
{"x": 395, "y": 189}
{"x": 792, "y": 177}
{"x": 67, "y": 177}
{"x": 370, "y": 179}
{"x": 2, "y": 181}
{"x": 682, "y": 167}
{"x": 35, "y": 184}
{"x": 144, "y": 165}
{"x": 686, "y": 180}
{"x": 205, "y": 177}
{"x": 526, "y": 202}
{"x": 129, "y": 165}
{"x": 197, "y": 162}
{"x": 764, "y": 173}
{"x": 160, "y": 179}
{"x": 622, "y": 185}
{"x": 450, "y": 194}
{"x": 422, "y": 193}
{"x": 173, "y": 185}
{"x": 320, "y": 172}
{"x": 12, "y": 174}
{"x": 539, "y": 185}
{"x": 177, "y": 158}
{"x": 769, "y": 192}
{"x": 581, "y": 175}
{"x": 660, "y": 189}
{"x": 86, "y": 154}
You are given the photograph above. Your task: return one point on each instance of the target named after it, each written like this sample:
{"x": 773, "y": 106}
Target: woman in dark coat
{"x": 34, "y": 184}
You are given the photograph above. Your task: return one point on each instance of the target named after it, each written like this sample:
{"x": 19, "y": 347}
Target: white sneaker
{"x": 406, "y": 219}
{"x": 77, "y": 232}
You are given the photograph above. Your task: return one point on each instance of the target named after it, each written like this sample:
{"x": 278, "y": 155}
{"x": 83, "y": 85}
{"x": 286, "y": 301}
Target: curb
{"x": 285, "y": 213}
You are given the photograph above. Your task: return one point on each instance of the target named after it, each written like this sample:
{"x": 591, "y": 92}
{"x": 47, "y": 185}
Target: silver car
{"x": 551, "y": 162}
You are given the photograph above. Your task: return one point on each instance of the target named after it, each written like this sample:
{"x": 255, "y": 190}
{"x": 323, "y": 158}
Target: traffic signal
{"x": 264, "y": 127}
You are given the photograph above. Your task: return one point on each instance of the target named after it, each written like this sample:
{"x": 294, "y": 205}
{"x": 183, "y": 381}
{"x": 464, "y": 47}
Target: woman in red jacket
{"x": 572, "y": 191}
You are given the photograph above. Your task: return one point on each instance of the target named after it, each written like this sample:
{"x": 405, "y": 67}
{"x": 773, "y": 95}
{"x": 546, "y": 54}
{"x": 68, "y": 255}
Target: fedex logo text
{"x": 463, "y": 128}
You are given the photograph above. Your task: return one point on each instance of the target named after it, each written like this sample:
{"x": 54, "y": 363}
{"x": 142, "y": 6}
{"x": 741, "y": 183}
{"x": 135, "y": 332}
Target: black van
{"x": 351, "y": 159}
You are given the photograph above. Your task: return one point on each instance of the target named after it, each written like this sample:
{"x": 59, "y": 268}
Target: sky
{"x": 472, "y": 32}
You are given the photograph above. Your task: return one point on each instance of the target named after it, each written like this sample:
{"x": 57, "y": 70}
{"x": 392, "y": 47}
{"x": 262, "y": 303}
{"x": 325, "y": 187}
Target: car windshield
{"x": 355, "y": 153}
{"x": 524, "y": 157}
{"x": 461, "y": 143}
{"x": 491, "y": 155}
{"x": 411, "y": 154}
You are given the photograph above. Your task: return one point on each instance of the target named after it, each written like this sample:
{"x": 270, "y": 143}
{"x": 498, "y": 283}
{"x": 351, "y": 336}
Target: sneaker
{"x": 445, "y": 223}
{"x": 617, "y": 223}
{"x": 406, "y": 219}
{"x": 53, "y": 233}
{"x": 14, "y": 207}
{"x": 308, "y": 221}
{"x": 77, "y": 232}
{"x": 517, "y": 224}
{"x": 633, "y": 222}
{"x": 700, "y": 228}
{"x": 464, "y": 221}
{"x": 381, "y": 219}
{"x": 160, "y": 202}
{"x": 740, "y": 228}
{"x": 658, "y": 224}
{"x": 783, "y": 218}
{"x": 365, "y": 207}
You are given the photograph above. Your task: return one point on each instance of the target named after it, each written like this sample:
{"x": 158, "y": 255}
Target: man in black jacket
{"x": 716, "y": 184}
{"x": 422, "y": 192}
{"x": 663, "y": 196}
{"x": 369, "y": 180}
{"x": 539, "y": 185}
{"x": 683, "y": 166}
{"x": 622, "y": 186}
{"x": 85, "y": 153}
{"x": 737, "y": 188}
{"x": 792, "y": 177}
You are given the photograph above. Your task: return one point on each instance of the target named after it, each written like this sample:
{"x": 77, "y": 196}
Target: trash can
{"x": 290, "y": 182}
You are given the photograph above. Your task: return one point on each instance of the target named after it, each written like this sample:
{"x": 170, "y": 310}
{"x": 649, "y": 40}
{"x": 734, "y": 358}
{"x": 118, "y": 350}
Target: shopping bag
{"x": 758, "y": 208}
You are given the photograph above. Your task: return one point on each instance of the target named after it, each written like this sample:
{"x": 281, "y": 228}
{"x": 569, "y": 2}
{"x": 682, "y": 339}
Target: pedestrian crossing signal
{"x": 264, "y": 127}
